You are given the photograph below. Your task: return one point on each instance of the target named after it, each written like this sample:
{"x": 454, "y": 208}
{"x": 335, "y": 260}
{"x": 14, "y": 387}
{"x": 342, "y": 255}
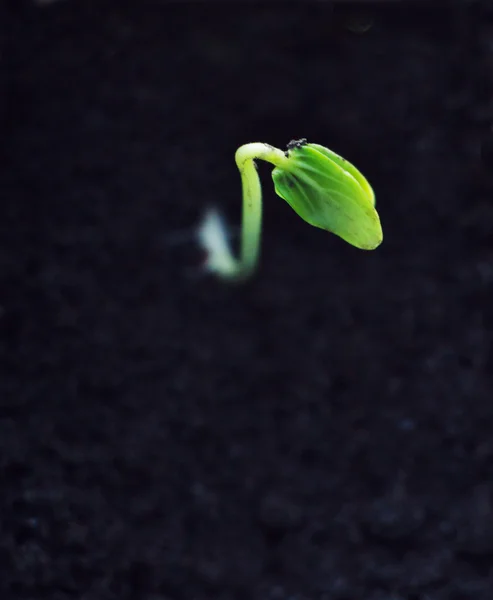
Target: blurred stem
{"x": 213, "y": 231}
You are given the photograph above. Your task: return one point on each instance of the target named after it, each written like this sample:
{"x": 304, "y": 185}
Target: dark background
{"x": 323, "y": 432}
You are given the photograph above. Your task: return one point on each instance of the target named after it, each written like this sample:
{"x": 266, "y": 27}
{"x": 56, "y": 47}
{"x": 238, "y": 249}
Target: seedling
{"x": 323, "y": 188}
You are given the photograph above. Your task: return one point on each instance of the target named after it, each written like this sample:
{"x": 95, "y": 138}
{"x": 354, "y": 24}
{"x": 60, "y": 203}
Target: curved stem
{"x": 213, "y": 232}
{"x": 251, "y": 230}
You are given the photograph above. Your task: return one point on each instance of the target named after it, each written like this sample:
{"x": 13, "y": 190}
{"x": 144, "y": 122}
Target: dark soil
{"x": 323, "y": 432}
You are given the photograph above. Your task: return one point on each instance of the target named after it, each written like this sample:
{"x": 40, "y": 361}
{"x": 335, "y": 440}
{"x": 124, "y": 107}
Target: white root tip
{"x": 213, "y": 238}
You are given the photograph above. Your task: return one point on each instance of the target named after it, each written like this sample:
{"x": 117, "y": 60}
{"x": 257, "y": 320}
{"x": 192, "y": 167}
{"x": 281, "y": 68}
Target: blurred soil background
{"x": 321, "y": 433}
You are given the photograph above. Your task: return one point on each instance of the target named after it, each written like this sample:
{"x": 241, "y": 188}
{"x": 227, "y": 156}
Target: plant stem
{"x": 213, "y": 232}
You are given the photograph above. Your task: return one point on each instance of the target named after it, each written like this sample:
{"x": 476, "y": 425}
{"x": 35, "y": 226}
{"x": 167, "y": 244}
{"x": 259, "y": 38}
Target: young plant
{"x": 323, "y": 188}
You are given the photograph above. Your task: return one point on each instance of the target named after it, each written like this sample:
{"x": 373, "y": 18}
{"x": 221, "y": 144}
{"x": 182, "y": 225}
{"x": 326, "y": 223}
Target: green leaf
{"x": 330, "y": 193}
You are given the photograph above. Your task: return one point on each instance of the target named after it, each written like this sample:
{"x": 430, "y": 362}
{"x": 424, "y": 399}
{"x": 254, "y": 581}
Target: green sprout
{"x": 323, "y": 188}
